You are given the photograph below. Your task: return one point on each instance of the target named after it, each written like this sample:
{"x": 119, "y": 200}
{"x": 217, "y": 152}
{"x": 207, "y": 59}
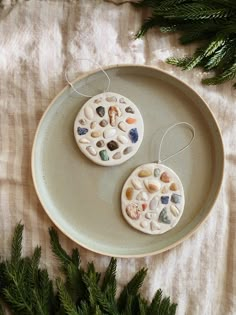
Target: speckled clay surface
{"x": 153, "y": 199}
{"x": 109, "y": 129}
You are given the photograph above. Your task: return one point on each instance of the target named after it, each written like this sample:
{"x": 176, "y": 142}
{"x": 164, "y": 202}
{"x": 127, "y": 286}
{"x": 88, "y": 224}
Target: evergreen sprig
{"x": 211, "y": 23}
{"x": 25, "y": 288}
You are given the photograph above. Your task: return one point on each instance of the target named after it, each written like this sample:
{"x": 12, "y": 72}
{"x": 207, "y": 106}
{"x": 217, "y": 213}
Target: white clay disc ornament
{"x": 153, "y": 199}
{"x": 109, "y": 129}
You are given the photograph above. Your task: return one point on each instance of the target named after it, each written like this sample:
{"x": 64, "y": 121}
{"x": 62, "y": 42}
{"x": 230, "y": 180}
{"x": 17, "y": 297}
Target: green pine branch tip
{"x": 26, "y": 288}
{"x": 211, "y": 24}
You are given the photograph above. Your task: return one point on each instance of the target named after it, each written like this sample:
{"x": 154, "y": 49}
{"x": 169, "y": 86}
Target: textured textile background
{"x": 37, "y": 40}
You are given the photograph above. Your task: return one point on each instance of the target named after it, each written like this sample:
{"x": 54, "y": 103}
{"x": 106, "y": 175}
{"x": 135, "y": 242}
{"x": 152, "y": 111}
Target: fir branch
{"x": 28, "y": 290}
{"x": 65, "y": 298}
{"x": 57, "y": 250}
{"x": 109, "y": 280}
{"x": 131, "y": 288}
{"x": 16, "y": 247}
{"x": 212, "y": 22}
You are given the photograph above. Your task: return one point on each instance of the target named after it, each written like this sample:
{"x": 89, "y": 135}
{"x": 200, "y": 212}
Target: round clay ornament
{"x": 109, "y": 129}
{"x": 152, "y": 199}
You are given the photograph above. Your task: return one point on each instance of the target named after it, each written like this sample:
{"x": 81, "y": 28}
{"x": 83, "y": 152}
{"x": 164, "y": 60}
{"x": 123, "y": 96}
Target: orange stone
{"x": 131, "y": 121}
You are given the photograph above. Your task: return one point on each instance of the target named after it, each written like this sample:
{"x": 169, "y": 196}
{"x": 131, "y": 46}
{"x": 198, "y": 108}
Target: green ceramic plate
{"x": 83, "y": 199}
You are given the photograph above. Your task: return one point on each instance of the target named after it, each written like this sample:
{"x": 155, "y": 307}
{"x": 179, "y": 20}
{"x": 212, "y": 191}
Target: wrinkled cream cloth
{"x": 38, "y": 39}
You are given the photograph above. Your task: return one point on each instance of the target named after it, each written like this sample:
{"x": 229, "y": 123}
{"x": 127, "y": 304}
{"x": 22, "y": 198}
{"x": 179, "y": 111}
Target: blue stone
{"x": 176, "y": 198}
{"x": 165, "y": 200}
{"x": 82, "y": 131}
{"x": 133, "y": 134}
{"x": 163, "y": 217}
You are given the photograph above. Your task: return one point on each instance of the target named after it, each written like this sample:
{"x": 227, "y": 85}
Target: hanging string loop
{"x": 180, "y": 150}
{"x": 100, "y": 67}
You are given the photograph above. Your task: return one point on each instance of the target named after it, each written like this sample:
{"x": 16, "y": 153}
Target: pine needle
{"x": 26, "y": 289}
{"x": 211, "y": 22}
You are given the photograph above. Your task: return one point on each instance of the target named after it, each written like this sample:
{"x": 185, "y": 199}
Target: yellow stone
{"x": 144, "y": 173}
{"x": 173, "y": 187}
{"x": 129, "y": 193}
{"x": 96, "y": 134}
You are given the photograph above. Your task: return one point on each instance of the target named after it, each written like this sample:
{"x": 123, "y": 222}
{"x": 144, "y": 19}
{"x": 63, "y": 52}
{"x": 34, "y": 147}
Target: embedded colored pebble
{"x": 173, "y": 187}
{"x": 98, "y": 100}
{"x": 164, "y": 200}
{"x": 100, "y": 111}
{"x": 122, "y": 101}
{"x": 144, "y": 173}
{"x": 157, "y": 172}
{"x": 82, "y": 131}
{"x": 174, "y": 210}
{"x": 117, "y": 156}
{"x": 95, "y": 134}
{"x": 113, "y": 113}
{"x": 144, "y": 206}
{"x": 151, "y": 216}
{"x": 128, "y": 150}
{"x": 154, "y": 226}
{"x": 93, "y": 124}
{"x": 131, "y": 121}
{"x": 111, "y": 99}
{"x": 133, "y": 134}
{"x": 104, "y": 156}
{"x": 82, "y": 122}
{"x": 175, "y": 198}
{"x": 88, "y": 111}
{"x": 133, "y": 211}
{"x": 163, "y": 217}
{"x": 142, "y": 196}
{"x": 165, "y": 189}
{"x": 100, "y": 144}
{"x": 154, "y": 203}
{"x": 165, "y": 177}
{"x": 91, "y": 150}
{"x": 103, "y": 123}
{"x": 137, "y": 184}
{"x": 122, "y": 126}
{"x": 84, "y": 141}
{"x": 109, "y": 133}
{"x": 122, "y": 139}
{"x": 112, "y": 145}
{"x": 129, "y": 193}
{"x": 152, "y": 186}
{"x": 144, "y": 224}
{"x": 129, "y": 110}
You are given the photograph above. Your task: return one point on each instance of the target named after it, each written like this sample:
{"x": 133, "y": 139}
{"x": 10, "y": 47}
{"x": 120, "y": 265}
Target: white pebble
{"x": 154, "y": 226}
{"x": 108, "y": 133}
{"x": 91, "y": 150}
{"x": 142, "y": 196}
{"x": 88, "y": 111}
{"x": 84, "y": 140}
{"x": 137, "y": 184}
{"x": 122, "y": 139}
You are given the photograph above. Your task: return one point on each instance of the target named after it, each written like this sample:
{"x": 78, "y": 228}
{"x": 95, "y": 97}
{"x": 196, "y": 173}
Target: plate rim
{"x": 103, "y": 252}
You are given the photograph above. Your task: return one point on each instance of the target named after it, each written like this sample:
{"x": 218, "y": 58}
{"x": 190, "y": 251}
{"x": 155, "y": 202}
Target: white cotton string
{"x": 100, "y": 67}
{"x": 181, "y": 150}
